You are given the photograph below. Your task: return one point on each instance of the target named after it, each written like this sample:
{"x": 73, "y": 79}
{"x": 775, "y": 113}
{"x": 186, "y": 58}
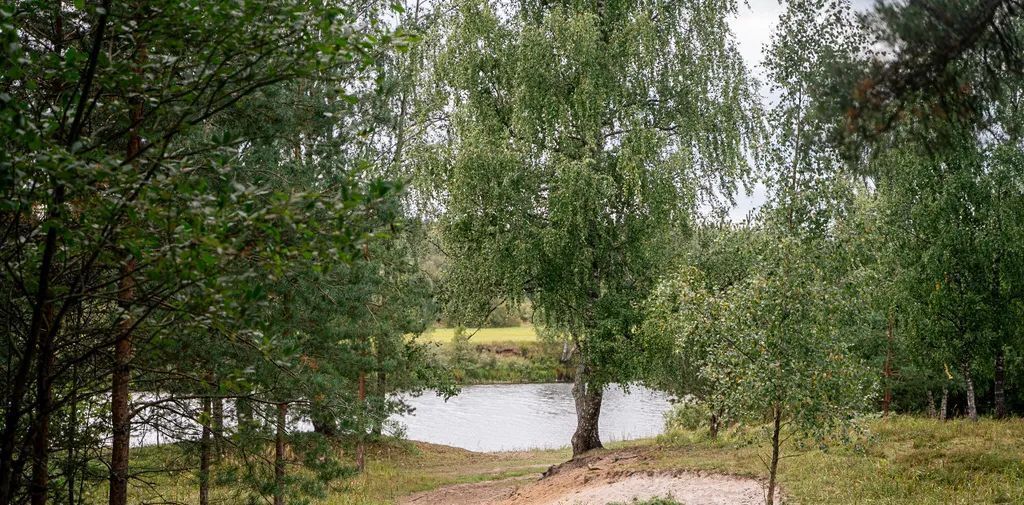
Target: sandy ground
{"x": 598, "y": 481}
{"x": 469, "y": 494}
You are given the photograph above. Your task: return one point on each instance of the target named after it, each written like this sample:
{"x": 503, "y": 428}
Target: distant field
{"x": 485, "y": 335}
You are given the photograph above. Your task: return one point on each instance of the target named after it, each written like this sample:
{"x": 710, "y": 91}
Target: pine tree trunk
{"x": 120, "y": 415}
{"x": 773, "y": 469}
{"x": 44, "y": 396}
{"x": 361, "y": 447}
{"x": 123, "y": 346}
{"x": 217, "y": 418}
{"x": 204, "y": 453}
{"x": 944, "y": 404}
{"x": 10, "y": 467}
{"x": 1000, "y": 384}
{"x": 18, "y": 386}
{"x": 972, "y": 407}
{"x": 71, "y": 467}
{"x": 588, "y": 412}
{"x": 932, "y": 413}
{"x": 382, "y": 396}
{"x": 282, "y": 413}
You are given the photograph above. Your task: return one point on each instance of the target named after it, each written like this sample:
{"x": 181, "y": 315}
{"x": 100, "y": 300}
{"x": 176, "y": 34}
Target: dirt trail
{"x": 598, "y": 480}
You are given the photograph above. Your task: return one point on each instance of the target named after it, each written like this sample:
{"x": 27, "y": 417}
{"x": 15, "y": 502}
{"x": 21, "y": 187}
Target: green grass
{"x": 394, "y": 469}
{"x": 902, "y": 461}
{"x": 510, "y": 334}
{"x": 432, "y": 466}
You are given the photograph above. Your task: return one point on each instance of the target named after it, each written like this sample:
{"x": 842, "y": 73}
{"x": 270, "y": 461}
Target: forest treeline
{"x": 222, "y": 219}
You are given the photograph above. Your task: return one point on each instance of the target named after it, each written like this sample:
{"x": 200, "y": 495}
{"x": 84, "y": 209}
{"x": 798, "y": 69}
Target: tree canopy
{"x": 224, "y": 220}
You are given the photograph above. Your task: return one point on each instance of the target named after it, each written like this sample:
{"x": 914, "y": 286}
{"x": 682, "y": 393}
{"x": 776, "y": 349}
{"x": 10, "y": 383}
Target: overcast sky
{"x": 753, "y": 28}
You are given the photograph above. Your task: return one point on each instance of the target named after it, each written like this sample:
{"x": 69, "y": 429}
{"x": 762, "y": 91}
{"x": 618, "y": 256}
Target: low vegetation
{"x": 503, "y": 363}
{"x": 504, "y": 355}
{"x": 901, "y": 460}
{"x": 221, "y": 219}
{"x": 394, "y": 469}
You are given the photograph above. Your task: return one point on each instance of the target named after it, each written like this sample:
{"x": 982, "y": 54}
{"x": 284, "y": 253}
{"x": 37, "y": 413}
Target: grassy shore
{"x": 499, "y": 355}
{"x": 904, "y": 460}
{"x": 510, "y": 334}
{"x": 394, "y": 469}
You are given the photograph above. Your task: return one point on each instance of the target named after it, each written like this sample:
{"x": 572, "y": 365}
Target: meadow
{"x": 901, "y": 460}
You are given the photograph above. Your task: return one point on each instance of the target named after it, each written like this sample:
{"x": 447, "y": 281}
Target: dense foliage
{"x": 580, "y": 138}
{"x": 222, "y": 220}
{"x": 195, "y": 220}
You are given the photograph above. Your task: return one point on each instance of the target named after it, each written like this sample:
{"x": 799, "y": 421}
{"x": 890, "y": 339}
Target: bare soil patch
{"x": 603, "y": 478}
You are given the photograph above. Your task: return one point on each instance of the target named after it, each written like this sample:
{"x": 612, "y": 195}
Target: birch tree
{"x": 579, "y": 139}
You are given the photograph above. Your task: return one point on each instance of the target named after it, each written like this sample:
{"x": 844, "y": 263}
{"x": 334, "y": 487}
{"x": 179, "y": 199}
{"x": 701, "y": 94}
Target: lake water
{"x": 505, "y": 417}
{"x": 509, "y": 417}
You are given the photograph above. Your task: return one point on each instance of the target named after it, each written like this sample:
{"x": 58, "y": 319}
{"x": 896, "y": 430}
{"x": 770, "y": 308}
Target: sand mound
{"x": 598, "y": 481}
{"x": 690, "y": 489}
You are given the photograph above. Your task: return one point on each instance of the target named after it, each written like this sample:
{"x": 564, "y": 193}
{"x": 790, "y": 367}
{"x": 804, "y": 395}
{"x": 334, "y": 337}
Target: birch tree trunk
{"x": 773, "y": 469}
{"x": 887, "y": 371}
{"x": 972, "y": 407}
{"x": 588, "y": 412}
{"x": 944, "y": 404}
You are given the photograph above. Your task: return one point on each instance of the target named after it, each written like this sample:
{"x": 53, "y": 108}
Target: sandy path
{"x": 598, "y": 481}
{"x": 480, "y": 493}
{"x": 689, "y": 489}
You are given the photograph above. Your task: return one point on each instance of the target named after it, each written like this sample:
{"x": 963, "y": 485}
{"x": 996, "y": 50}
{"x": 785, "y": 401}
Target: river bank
{"x": 900, "y": 461}
{"x": 506, "y": 355}
{"x": 504, "y": 362}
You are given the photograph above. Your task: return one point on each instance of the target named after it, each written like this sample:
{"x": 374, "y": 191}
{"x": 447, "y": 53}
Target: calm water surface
{"x": 504, "y": 417}
{"x": 509, "y": 417}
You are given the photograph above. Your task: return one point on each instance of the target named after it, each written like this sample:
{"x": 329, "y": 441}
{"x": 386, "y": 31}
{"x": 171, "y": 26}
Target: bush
{"x": 687, "y": 415}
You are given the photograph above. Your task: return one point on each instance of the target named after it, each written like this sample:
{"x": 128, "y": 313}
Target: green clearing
{"x": 901, "y": 461}
{"x": 509, "y": 334}
{"x": 394, "y": 469}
